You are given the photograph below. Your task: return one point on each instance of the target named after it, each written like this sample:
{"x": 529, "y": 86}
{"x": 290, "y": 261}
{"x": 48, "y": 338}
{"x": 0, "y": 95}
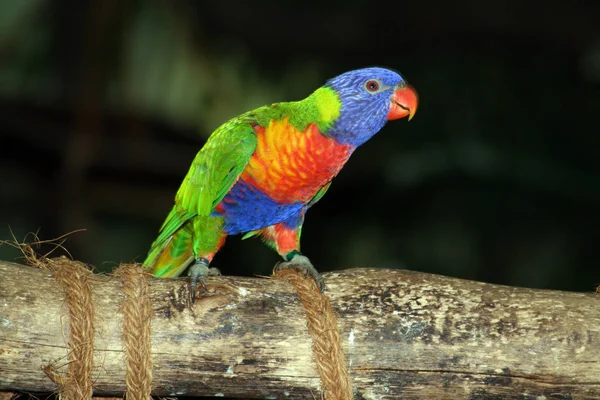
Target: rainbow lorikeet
{"x": 258, "y": 173}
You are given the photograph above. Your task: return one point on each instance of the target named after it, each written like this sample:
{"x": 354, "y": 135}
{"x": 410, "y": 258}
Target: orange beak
{"x": 404, "y": 103}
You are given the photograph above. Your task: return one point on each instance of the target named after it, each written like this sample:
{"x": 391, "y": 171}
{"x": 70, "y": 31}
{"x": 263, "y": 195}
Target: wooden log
{"x": 405, "y": 335}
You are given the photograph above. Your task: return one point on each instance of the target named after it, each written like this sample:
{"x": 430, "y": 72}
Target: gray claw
{"x": 303, "y": 264}
{"x": 197, "y": 273}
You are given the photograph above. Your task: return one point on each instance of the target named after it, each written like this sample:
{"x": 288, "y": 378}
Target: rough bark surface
{"x": 405, "y": 335}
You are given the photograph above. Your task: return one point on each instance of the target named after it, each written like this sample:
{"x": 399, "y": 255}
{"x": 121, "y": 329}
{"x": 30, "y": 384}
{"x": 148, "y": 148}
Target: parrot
{"x": 258, "y": 173}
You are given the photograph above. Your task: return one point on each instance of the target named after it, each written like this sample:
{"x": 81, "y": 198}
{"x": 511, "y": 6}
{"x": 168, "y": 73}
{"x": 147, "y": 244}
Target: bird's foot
{"x": 198, "y": 273}
{"x": 303, "y": 264}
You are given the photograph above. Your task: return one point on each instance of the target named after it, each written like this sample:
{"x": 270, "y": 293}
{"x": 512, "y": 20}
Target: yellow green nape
{"x": 328, "y": 103}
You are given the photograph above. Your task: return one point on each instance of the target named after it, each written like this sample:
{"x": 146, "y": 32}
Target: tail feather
{"x": 171, "y": 256}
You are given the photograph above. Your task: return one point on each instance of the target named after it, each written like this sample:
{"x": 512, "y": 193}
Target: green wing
{"x": 214, "y": 170}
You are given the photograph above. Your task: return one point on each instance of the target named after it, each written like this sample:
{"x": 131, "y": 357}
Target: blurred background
{"x": 103, "y": 105}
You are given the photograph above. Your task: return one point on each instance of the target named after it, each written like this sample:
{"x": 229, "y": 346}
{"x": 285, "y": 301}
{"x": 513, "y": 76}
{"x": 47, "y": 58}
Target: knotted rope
{"x": 322, "y": 326}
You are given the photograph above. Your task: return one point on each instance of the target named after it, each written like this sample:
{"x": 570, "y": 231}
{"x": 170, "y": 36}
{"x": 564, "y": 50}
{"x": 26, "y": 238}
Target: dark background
{"x": 105, "y": 103}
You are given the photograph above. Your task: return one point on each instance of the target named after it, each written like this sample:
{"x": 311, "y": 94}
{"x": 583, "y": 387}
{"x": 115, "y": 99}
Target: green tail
{"x": 170, "y": 256}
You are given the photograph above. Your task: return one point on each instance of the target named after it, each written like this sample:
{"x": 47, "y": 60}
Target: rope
{"x": 74, "y": 277}
{"x": 137, "y": 315}
{"x": 322, "y": 326}
{"x": 76, "y": 384}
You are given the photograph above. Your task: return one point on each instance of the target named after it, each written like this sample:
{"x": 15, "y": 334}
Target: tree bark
{"x": 405, "y": 335}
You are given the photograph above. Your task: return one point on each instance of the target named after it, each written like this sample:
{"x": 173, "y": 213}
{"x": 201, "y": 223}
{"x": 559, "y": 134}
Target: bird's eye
{"x": 372, "y": 85}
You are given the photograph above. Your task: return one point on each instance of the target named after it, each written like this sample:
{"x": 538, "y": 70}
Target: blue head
{"x": 370, "y": 97}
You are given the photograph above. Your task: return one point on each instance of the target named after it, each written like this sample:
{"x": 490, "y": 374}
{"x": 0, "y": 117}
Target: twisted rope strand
{"x": 74, "y": 277}
{"x": 137, "y": 315}
{"x": 322, "y": 326}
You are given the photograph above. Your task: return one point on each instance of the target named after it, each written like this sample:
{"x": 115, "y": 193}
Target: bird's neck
{"x": 328, "y": 105}
{"x": 322, "y": 108}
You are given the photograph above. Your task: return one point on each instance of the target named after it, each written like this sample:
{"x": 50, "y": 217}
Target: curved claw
{"x": 303, "y": 264}
{"x": 197, "y": 273}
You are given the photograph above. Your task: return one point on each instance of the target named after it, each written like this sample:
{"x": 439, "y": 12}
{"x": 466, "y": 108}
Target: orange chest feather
{"x": 291, "y": 165}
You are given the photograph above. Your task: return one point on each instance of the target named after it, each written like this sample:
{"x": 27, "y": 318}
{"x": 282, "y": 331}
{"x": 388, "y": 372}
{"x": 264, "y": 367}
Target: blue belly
{"x": 247, "y": 209}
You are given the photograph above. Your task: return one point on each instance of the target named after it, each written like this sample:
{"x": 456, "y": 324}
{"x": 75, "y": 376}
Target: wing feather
{"x": 213, "y": 172}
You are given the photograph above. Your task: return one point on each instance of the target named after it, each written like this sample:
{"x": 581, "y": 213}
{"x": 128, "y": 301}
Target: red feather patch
{"x": 291, "y": 165}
